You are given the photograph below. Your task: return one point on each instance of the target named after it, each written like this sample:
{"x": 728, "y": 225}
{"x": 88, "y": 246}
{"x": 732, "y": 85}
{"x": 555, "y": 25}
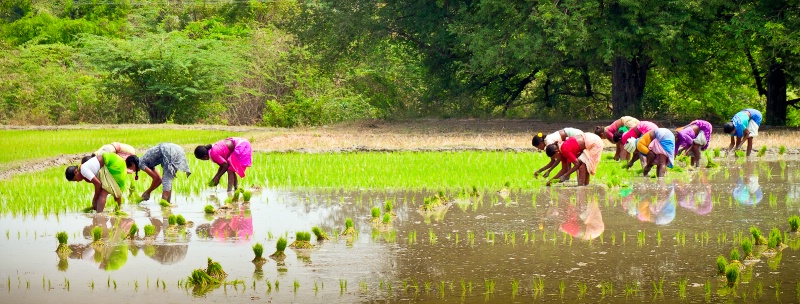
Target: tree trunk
{"x": 628, "y": 78}
{"x": 776, "y": 95}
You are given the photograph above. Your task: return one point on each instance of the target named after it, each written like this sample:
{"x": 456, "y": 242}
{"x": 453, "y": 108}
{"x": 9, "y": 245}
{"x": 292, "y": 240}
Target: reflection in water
{"x": 695, "y": 197}
{"x": 236, "y": 224}
{"x": 748, "y": 191}
{"x": 656, "y": 205}
{"x": 581, "y": 219}
{"x": 166, "y": 254}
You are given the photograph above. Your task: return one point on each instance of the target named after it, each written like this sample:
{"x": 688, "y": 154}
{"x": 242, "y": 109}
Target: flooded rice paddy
{"x": 655, "y": 241}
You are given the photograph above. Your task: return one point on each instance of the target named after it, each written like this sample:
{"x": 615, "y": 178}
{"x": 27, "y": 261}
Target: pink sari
{"x": 239, "y": 159}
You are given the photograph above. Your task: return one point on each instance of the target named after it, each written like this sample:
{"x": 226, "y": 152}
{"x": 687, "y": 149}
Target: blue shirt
{"x": 742, "y": 119}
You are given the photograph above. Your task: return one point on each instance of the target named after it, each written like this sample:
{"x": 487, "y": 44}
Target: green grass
{"x": 50, "y": 143}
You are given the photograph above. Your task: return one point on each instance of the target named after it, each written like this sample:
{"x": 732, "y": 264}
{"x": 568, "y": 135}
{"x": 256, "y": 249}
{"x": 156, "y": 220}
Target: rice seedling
{"x": 258, "y": 251}
{"x": 388, "y": 207}
{"x": 63, "y": 249}
{"x": 682, "y": 287}
{"x": 302, "y": 240}
{"x": 164, "y": 203}
{"x": 319, "y": 233}
{"x": 732, "y": 274}
{"x": 172, "y": 220}
{"x": 514, "y": 288}
{"x": 642, "y": 238}
{"x": 775, "y": 238}
{"x": 280, "y": 246}
{"x": 376, "y": 213}
{"x": 296, "y": 285}
{"x": 441, "y": 289}
{"x": 658, "y": 237}
{"x": 757, "y": 237}
{"x": 387, "y": 219}
{"x": 349, "y": 228}
{"x": 538, "y": 286}
{"x": 149, "y": 231}
{"x": 562, "y": 286}
{"x": 762, "y": 151}
{"x": 342, "y": 285}
{"x": 782, "y": 150}
{"x": 734, "y": 255}
{"x": 794, "y": 222}
{"x": 247, "y": 195}
{"x": 582, "y": 290}
{"x": 606, "y": 289}
{"x": 97, "y": 235}
{"x": 179, "y": 220}
{"x": 658, "y": 288}
{"x": 747, "y": 247}
{"x": 431, "y": 236}
{"x": 209, "y": 209}
{"x": 722, "y": 264}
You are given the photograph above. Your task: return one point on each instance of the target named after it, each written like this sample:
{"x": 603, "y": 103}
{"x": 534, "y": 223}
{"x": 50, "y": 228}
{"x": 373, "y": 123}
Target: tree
{"x": 768, "y": 33}
{"x": 172, "y": 77}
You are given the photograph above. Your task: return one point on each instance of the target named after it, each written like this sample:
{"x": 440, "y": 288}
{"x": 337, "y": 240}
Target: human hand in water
{"x": 536, "y": 174}
{"x": 146, "y": 196}
{"x": 214, "y": 181}
{"x": 546, "y": 174}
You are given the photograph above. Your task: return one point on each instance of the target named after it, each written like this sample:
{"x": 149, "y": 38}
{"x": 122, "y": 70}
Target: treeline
{"x": 291, "y": 63}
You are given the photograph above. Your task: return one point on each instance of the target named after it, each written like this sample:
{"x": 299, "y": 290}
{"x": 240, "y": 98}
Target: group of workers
{"x": 106, "y": 168}
{"x": 580, "y": 152}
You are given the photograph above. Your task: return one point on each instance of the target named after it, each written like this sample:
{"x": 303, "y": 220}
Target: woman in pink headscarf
{"x": 233, "y": 155}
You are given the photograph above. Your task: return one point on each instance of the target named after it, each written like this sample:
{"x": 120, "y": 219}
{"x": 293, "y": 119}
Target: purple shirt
{"x": 686, "y": 136}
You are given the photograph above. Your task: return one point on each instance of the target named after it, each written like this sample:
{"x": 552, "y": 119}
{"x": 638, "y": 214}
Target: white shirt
{"x": 90, "y": 168}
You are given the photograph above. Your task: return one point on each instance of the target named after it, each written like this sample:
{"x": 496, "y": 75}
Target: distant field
{"x": 22, "y": 145}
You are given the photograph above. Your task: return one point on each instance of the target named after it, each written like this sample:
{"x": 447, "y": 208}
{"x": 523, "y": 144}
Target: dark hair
{"x": 617, "y": 136}
{"x": 728, "y": 127}
{"x": 551, "y": 150}
{"x": 86, "y": 158}
{"x": 599, "y": 130}
{"x": 70, "y": 172}
{"x": 133, "y": 160}
{"x": 202, "y": 151}
{"x": 537, "y": 140}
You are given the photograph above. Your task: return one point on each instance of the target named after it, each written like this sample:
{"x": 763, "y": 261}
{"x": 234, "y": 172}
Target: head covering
{"x": 630, "y": 146}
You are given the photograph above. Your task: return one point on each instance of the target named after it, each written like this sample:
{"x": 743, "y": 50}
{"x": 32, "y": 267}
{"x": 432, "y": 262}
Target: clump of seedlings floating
{"x": 209, "y": 209}
{"x": 215, "y": 270}
{"x": 164, "y": 203}
{"x": 258, "y": 250}
{"x": 149, "y": 232}
{"x": 794, "y": 222}
{"x": 732, "y": 274}
{"x": 246, "y": 195}
{"x": 63, "y": 250}
{"x": 435, "y": 203}
{"x": 349, "y": 229}
{"x": 97, "y": 236}
{"x": 279, "y": 248}
{"x": 180, "y": 220}
{"x": 757, "y": 237}
{"x": 302, "y": 240}
{"x": 775, "y": 243}
{"x": 319, "y": 233}
{"x": 172, "y": 220}
{"x": 388, "y": 207}
{"x": 205, "y": 280}
{"x": 133, "y": 232}
{"x": 747, "y": 247}
{"x": 722, "y": 264}
{"x": 376, "y": 215}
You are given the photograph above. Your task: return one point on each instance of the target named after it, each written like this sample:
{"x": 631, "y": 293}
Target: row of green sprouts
{"x": 753, "y": 248}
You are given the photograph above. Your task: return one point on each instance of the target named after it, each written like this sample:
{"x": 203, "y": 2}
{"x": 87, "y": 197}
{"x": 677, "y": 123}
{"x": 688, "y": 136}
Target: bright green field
{"x": 20, "y": 145}
{"x": 49, "y": 193}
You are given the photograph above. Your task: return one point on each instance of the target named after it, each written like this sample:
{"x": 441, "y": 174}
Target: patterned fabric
{"x": 664, "y": 144}
{"x": 642, "y": 128}
{"x": 687, "y": 137}
{"x": 170, "y": 157}
{"x": 593, "y": 152}
{"x": 627, "y": 121}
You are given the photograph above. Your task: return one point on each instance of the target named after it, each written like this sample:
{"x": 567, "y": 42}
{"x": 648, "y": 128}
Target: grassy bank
{"x": 25, "y": 145}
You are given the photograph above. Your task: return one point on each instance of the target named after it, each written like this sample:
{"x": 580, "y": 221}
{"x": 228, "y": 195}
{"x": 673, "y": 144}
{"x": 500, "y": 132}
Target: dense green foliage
{"x": 294, "y": 63}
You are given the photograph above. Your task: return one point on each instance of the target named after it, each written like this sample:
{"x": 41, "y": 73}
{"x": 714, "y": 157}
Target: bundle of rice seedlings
{"x": 319, "y": 233}
{"x": 279, "y": 248}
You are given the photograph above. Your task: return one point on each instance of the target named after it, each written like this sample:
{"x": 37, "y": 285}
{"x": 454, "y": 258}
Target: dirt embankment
{"x": 407, "y": 135}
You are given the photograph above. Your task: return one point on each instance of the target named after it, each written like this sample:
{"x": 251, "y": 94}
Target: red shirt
{"x": 570, "y": 149}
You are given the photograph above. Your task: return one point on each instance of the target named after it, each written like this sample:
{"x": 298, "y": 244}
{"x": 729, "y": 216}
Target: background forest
{"x": 300, "y": 63}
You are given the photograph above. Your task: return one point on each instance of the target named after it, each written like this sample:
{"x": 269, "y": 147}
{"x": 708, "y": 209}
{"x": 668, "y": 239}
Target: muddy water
{"x": 588, "y": 237}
